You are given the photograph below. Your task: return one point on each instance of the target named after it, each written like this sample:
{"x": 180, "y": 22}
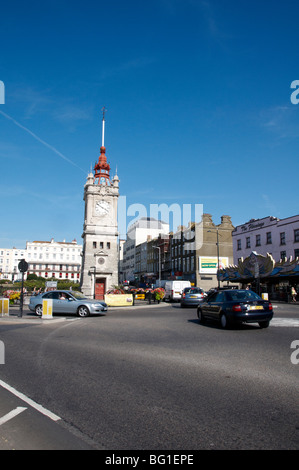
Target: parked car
{"x": 235, "y": 306}
{"x": 192, "y": 296}
{"x": 68, "y": 302}
{"x": 174, "y": 289}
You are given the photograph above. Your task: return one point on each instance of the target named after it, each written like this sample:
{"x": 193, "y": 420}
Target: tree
{"x": 32, "y": 277}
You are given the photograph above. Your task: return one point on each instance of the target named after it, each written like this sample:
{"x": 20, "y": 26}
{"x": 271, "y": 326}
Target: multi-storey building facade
{"x": 9, "y": 260}
{"x": 214, "y": 249}
{"x": 139, "y": 232}
{"x": 191, "y": 253}
{"x": 57, "y": 260}
{"x": 157, "y": 262}
{"x": 280, "y": 238}
{"x": 183, "y": 253}
{"x": 121, "y": 243}
{"x": 48, "y": 259}
{"x": 141, "y": 266}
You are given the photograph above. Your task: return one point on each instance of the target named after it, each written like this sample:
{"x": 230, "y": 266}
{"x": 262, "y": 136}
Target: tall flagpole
{"x": 103, "y": 126}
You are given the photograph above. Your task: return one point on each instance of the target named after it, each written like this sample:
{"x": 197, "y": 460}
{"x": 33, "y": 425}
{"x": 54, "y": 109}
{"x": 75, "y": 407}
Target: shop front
{"x": 263, "y": 275}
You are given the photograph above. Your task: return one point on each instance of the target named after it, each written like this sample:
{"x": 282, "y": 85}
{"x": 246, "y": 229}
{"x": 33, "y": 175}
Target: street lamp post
{"x": 159, "y": 248}
{"x": 218, "y": 261}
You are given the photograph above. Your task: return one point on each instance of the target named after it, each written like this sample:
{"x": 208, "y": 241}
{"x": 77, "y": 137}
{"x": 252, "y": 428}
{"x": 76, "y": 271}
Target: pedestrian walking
{"x": 294, "y": 294}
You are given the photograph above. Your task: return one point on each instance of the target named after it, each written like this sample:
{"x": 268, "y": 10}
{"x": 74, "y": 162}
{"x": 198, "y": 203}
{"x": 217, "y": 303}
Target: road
{"x": 150, "y": 378}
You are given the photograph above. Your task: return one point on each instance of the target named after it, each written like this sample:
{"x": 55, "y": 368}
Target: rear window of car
{"x": 220, "y": 297}
{"x": 193, "y": 290}
{"x": 242, "y": 295}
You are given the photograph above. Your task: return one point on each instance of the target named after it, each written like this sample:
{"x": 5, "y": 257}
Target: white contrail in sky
{"x": 40, "y": 140}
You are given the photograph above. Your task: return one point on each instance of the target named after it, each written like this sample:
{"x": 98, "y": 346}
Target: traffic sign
{"x": 23, "y": 266}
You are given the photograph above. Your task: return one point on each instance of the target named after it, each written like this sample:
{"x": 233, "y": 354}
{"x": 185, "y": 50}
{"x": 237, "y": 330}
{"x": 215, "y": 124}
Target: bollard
{"x": 4, "y": 307}
{"x": 47, "y": 309}
{"x": 2, "y": 353}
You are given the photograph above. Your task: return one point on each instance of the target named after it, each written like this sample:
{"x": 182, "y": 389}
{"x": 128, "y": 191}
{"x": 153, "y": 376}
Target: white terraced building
{"x": 9, "y": 260}
{"x": 50, "y": 259}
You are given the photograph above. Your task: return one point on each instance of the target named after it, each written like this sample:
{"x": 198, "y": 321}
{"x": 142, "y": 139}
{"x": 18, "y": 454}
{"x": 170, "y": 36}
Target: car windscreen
{"x": 242, "y": 295}
{"x": 79, "y": 295}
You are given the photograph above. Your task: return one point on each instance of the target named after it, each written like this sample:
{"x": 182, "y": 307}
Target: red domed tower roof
{"x": 102, "y": 168}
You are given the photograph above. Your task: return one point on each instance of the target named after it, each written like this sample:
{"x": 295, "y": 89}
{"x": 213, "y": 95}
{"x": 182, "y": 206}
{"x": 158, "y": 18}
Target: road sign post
{"x": 23, "y": 267}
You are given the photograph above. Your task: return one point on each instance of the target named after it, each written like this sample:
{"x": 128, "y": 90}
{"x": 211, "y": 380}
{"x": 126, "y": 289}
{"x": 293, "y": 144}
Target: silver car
{"x": 192, "y": 296}
{"x": 68, "y": 302}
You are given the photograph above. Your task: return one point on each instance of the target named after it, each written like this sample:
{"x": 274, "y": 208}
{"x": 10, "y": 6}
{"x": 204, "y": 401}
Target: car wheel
{"x": 83, "y": 311}
{"x": 223, "y": 321}
{"x": 201, "y": 318}
{"x": 39, "y": 310}
{"x": 264, "y": 324}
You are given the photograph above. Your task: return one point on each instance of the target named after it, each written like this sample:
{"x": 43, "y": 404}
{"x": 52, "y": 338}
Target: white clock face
{"x": 102, "y": 207}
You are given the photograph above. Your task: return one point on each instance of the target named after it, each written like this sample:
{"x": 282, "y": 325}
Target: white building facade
{"x": 48, "y": 259}
{"x": 9, "y": 260}
{"x": 144, "y": 229}
{"x": 278, "y": 237}
{"x": 58, "y": 260}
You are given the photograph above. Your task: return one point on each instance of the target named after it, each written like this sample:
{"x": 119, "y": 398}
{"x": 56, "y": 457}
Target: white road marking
{"x": 290, "y": 322}
{"x": 30, "y": 402}
{"x": 12, "y": 414}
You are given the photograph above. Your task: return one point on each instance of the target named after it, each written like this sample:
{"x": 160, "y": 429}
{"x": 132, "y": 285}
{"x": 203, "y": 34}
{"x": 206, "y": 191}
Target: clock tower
{"x": 100, "y": 232}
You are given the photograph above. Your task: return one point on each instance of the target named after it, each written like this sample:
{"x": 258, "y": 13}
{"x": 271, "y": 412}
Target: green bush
{"x": 66, "y": 285}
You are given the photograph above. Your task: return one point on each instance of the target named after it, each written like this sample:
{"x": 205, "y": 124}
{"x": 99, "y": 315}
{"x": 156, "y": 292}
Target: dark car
{"x": 235, "y": 306}
{"x": 192, "y": 296}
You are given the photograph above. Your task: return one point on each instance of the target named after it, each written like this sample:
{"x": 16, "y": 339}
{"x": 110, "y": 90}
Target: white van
{"x": 174, "y": 289}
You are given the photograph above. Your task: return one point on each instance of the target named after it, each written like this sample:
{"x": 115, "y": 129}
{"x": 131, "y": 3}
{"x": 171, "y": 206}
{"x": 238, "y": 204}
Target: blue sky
{"x": 198, "y": 108}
